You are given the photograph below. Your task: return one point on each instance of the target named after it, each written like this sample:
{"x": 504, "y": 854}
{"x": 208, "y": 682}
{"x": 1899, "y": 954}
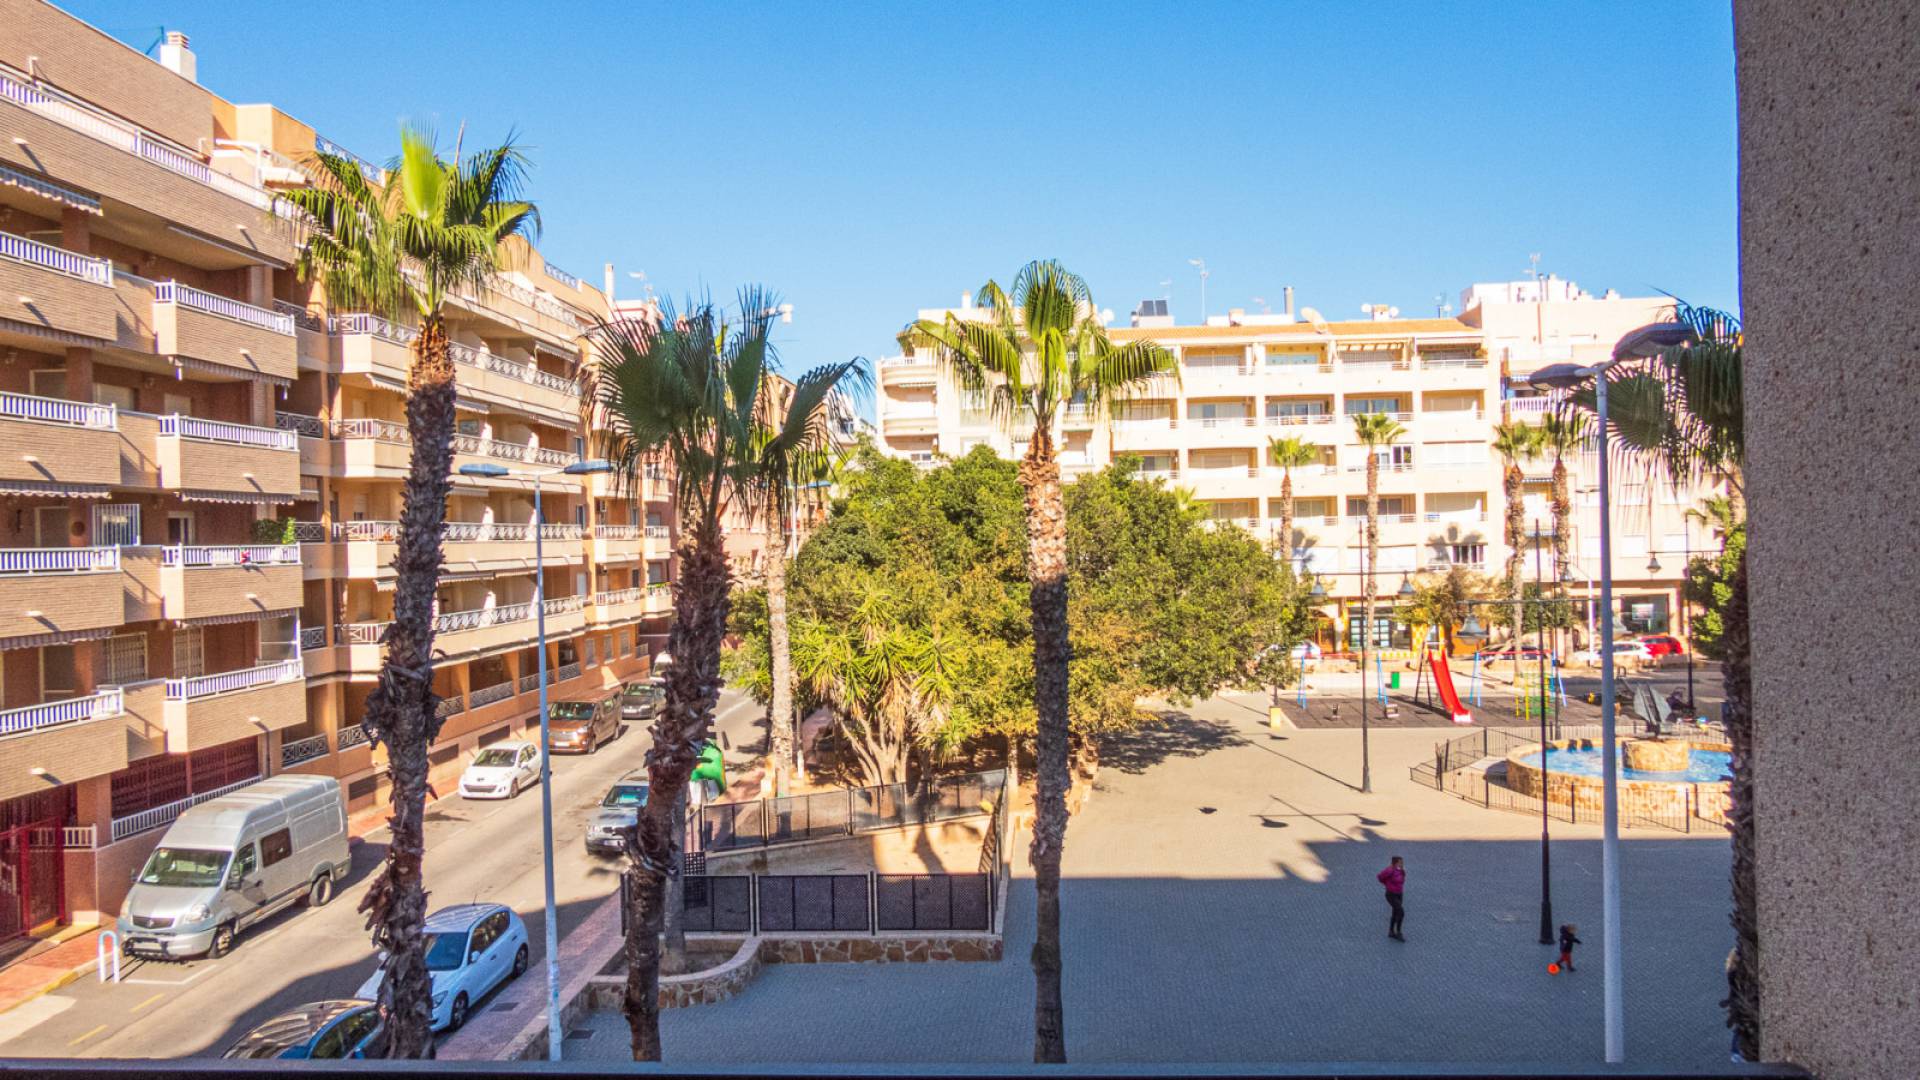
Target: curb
{"x": 73, "y": 974}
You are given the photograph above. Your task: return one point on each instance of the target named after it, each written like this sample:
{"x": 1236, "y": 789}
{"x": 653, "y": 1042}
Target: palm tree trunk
{"x": 1047, "y": 576}
{"x": 1286, "y": 516}
{"x": 1743, "y": 972}
{"x": 1516, "y": 533}
{"x": 1373, "y": 558}
{"x": 681, "y": 728}
{"x": 400, "y": 711}
{"x": 673, "y": 918}
{"x": 780, "y": 734}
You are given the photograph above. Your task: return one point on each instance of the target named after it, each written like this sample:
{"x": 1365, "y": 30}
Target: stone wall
{"x": 1638, "y": 798}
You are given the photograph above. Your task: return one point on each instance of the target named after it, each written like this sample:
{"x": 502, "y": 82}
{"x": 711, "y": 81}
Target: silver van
{"x": 234, "y": 860}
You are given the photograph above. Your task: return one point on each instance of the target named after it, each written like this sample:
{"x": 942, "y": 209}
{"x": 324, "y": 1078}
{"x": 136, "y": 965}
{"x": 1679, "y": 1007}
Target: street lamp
{"x": 1636, "y": 344}
{"x": 578, "y": 468}
{"x": 1201, "y": 265}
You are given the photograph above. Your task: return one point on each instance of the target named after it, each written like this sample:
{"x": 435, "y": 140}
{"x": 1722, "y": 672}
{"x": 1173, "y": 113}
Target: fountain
{"x": 1658, "y": 778}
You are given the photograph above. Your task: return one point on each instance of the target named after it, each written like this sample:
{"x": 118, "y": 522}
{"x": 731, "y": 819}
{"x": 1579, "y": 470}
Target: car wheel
{"x": 593, "y": 746}
{"x": 222, "y": 941}
{"x": 520, "y": 962}
{"x": 320, "y": 891}
{"x": 458, "y": 1014}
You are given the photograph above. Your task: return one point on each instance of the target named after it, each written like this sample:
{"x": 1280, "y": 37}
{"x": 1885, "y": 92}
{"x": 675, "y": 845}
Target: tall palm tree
{"x": 1683, "y": 413}
{"x": 1561, "y": 435}
{"x": 436, "y": 226}
{"x": 1037, "y": 348}
{"x": 689, "y": 389}
{"x": 1516, "y": 442}
{"x": 1289, "y": 453}
{"x": 1376, "y": 431}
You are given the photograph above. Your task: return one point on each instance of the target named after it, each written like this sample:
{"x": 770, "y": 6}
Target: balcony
{"x": 467, "y": 546}
{"x": 619, "y": 606}
{"x": 478, "y": 631}
{"x": 381, "y": 449}
{"x": 48, "y": 133}
{"x": 211, "y": 582}
{"x": 1287, "y": 420}
{"x": 59, "y": 590}
{"x": 371, "y": 345}
{"x": 908, "y": 371}
{"x": 207, "y": 710}
{"x": 213, "y": 460}
{"x": 618, "y": 543}
{"x": 1144, "y": 433}
{"x": 214, "y": 329}
{"x": 70, "y": 739}
{"x": 909, "y": 419}
{"x": 62, "y": 444}
{"x": 43, "y": 285}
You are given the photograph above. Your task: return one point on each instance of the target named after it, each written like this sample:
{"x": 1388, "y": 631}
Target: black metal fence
{"x": 838, "y": 903}
{"x": 847, "y": 812}
{"x": 722, "y": 904}
{"x": 934, "y": 901}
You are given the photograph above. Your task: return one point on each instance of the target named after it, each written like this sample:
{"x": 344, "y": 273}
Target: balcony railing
{"x": 906, "y": 361}
{"x": 301, "y": 316}
{"x": 163, "y": 815}
{"x": 617, "y": 596}
{"x": 487, "y": 695}
{"x": 1456, "y": 515}
{"x": 310, "y": 532}
{"x": 224, "y": 682}
{"x": 563, "y": 531}
{"x": 1385, "y": 519}
{"x": 189, "y": 427}
{"x": 361, "y": 323}
{"x": 313, "y": 637}
{"x": 391, "y": 431}
{"x": 59, "y": 260}
{"x": 352, "y": 736}
{"x": 616, "y": 532}
{"x": 562, "y": 276}
{"x": 569, "y": 671}
{"x": 1223, "y": 421}
{"x": 659, "y": 532}
{"x": 1298, "y": 419}
{"x": 66, "y": 560}
{"x": 237, "y": 555}
{"x": 311, "y": 427}
{"x": 457, "y": 532}
{"x": 55, "y": 411}
{"x": 1453, "y": 362}
{"x": 546, "y": 455}
{"x": 109, "y": 702}
{"x": 302, "y": 750}
{"x": 374, "y": 173}
{"x": 560, "y": 605}
{"x": 173, "y": 292}
{"x": 1529, "y": 406}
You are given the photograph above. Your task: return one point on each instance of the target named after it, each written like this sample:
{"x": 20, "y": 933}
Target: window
{"x": 58, "y": 677}
{"x": 590, "y": 652}
{"x": 1467, "y": 554}
{"x": 120, "y": 397}
{"x": 483, "y": 936}
{"x": 123, "y": 659}
{"x": 1674, "y": 544}
{"x": 245, "y": 862}
{"x": 116, "y": 525}
{"x": 48, "y": 382}
{"x": 580, "y": 514}
{"x": 1296, "y": 408}
{"x": 1357, "y": 406}
{"x": 1216, "y": 410}
{"x": 275, "y": 846}
{"x": 1390, "y": 506}
{"x": 189, "y": 652}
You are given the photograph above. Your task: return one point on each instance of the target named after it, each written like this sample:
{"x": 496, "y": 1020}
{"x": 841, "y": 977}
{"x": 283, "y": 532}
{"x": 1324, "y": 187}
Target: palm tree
{"x": 1682, "y": 414}
{"x": 887, "y": 677}
{"x": 690, "y": 389}
{"x": 1289, "y": 453}
{"x": 435, "y": 227}
{"x": 1037, "y": 348}
{"x": 1516, "y": 442}
{"x": 1560, "y": 435}
{"x": 1376, "y": 431}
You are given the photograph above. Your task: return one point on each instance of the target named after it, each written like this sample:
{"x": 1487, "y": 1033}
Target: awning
{"x": 48, "y": 333}
{"x": 386, "y": 584}
{"x": 47, "y": 189}
{"x": 460, "y": 401}
{"x": 30, "y": 641}
{"x": 55, "y": 489}
{"x": 256, "y": 498}
{"x": 228, "y": 370}
{"x": 240, "y": 617}
{"x": 249, "y": 254}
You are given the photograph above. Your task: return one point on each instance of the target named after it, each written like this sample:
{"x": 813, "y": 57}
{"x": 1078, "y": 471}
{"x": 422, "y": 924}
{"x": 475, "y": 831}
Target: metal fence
{"x": 934, "y": 901}
{"x": 798, "y": 818}
{"x": 838, "y": 903}
{"x": 722, "y": 904}
{"x": 814, "y": 902}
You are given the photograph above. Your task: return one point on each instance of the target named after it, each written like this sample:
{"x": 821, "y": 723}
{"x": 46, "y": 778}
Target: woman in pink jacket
{"x": 1394, "y": 877}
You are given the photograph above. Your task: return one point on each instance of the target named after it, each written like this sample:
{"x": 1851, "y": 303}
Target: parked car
{"x": 639, "y": 700}
{"x": 501, "y": 771}
{"x": 620, "y": 808}
{"x": 471, "y": 949}
{"x": 1305, "y": 651}
{"x": 1634, "y": 651}
{"x": 349, "y": 1028}
{"x": 1663, "y": 645}
{"x": 232, "y": 861}
{"x": 580, "y": 725}
{"x": 1504, "y": 654}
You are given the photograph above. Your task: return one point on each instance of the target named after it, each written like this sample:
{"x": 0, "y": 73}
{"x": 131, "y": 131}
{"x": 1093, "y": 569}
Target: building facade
{"x": 1244, "y": 379}
{"x": 202, "y": 468}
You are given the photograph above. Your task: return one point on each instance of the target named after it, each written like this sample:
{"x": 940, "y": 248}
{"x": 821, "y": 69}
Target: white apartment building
{"x": 1245, "y": 379}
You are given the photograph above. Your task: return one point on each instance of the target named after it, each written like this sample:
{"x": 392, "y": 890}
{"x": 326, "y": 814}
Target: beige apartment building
{"x": 1246, "y": 378}
{"x": 200, "y": 475}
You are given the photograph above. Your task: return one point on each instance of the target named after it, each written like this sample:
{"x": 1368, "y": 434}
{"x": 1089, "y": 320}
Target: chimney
{"x": 609, "y": 281}
{"x": 177, "y": 58}
{"x": 1289, "y": 295}
{"x": 966, "y": 301}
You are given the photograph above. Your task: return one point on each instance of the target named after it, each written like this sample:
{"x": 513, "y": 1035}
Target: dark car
{"x": 349, "y": 1028}
{"x": 580, "y": 726}
{"x": 1660, "y": 645}
{"x": 639, "y": 701}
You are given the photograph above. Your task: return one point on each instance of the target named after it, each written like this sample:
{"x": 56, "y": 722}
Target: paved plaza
{"x": 1220, "y": 906}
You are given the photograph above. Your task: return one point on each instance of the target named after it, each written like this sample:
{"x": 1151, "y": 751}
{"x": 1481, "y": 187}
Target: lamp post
{"x": 578, "y": 468}
{"x": 1637, "y": 344}
{"x": 1546, "y": 844}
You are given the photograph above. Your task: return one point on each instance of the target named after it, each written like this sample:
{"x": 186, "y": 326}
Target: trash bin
{"x": 1393, "y": 680}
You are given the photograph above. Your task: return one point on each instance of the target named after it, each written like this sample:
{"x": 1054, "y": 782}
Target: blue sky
{"x": 866, "y": 160}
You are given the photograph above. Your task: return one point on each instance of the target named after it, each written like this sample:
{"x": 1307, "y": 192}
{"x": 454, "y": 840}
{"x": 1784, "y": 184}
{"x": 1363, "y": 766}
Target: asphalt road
{"x": 475, "y": 851}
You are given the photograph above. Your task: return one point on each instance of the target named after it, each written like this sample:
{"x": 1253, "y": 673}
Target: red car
{"x": 1663, "y": 645}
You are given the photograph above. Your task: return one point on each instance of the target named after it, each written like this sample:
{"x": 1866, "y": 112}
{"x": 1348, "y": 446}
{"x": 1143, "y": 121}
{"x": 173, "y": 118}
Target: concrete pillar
{"x": 80, "y": 374}
{"x": 76, "y": 231}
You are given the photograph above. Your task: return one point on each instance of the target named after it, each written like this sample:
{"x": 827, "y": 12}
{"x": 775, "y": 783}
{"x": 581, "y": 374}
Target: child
{"x": 1567, "y": 942}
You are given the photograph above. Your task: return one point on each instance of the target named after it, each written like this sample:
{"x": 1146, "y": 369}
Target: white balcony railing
{"x": 55, "y": 411}
{"x": 59, "y": 260}
{"x": 906, "y": 361}
{"x": 66, "y": 560}
{"x": 310, "y": 320}
{"x": 617, "y": 596}
{"x": 563, "y": 531}
{"x": 109, "y": 702}
{"x": 1530, "y": 406}
{"x": 360, "y": 323}
{"x": 560, "y": 605}
{"x": 162, "y": 815}
{"x": 190, "y": 427}
{"x": 562, "y": 276}
{"x": 1461, "y": 516}
{"x": 389, "y": 431}
{"x": 1211, "y": 422}
{"x": 1299, "y": 419}
{"x": 173, "y": 292}
{"x": 234, "y": 555}
{"x": 659, "y": 532}
{"x": 224, "y": 682}
{"x": 546, "y": 455}
{"x": 616, "y": 532}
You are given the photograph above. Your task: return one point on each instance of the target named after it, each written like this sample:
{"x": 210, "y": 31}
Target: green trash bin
{"x": 1393, "y": 680}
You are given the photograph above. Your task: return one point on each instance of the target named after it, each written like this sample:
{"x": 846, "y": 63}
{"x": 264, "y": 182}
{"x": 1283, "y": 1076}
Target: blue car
{"x": 349, "y": 1028}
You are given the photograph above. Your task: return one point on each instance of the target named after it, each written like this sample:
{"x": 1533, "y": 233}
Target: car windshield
{"x": 185, "y": 867}
{"x": 640, "y": 693}
{"x": 493, "y": 759}
{"x": 571, "y": 710}
{"x": 626, "y": 795}
{"x": 446, "y": 951}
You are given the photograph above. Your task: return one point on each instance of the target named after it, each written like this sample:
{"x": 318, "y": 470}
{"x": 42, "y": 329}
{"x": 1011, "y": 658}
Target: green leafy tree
{"x": 1709, "y": 585}
{"x": 1289, "y": 453}
{"x": 1039, "y": 347}
{"x": 1444, "y": 602}
{"x": 398, "y": 250}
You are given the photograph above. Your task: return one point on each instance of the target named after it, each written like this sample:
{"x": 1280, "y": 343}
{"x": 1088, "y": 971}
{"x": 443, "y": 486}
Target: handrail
{"x": 391, "y": 431}
{"x": 57, "y": 259}
{"x": 617, "y": 596}
{"x": 374, "y": 173}
{"x": 231, "y": 555}
{"x": 1291, "y": 419}
{"x": 302, "y": 750}
{"x": 546, "y": 455}
{"x": 108, "y": 702}
{"x": 560, "y": 605}
{"x": 57, "y": 411}
{"x": 313, "y": 637}
{"x": 563, "y": 531}
{"x": 482, "y": 531}
{"x": 300, "y": 315}
{"x": 656, "y": 532}
{"x": 200, "y": 686}
{"x": 66, "y": 560}
{"x": 173, "y": 292}
{"x": 310, "y": 426}
{"x": 192, "y": 427}
{"x": 561, "y": 276}
{"x": 361, "y": 323}
{"x": 616, "y": 532}
{"x": 351, "y": 736}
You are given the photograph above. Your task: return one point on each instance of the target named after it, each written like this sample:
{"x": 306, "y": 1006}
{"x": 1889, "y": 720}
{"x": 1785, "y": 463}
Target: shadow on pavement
{"x": 1175, "y": 734}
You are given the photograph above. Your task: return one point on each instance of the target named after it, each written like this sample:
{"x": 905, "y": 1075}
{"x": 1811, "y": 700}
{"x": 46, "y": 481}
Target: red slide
{"x": 1443, "y": 678}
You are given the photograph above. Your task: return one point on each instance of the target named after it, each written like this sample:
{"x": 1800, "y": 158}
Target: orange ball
{"x": 1553, "y": 969}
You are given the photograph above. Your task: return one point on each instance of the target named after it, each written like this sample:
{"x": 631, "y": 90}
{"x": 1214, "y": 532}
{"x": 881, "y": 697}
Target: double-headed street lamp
{"x": 1645, "y": 342}
{"x": 578, "y": 468}
{"x": 1366, "y": 633}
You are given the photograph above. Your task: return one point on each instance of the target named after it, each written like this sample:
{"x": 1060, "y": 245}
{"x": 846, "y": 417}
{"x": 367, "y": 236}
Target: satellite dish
{"x": 1366, "y": 309}
{"x": 1313, "y": 316}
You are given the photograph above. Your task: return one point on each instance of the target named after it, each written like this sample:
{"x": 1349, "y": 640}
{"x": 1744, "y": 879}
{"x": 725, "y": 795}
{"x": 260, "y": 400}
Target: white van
{"x": 234, "y": 860}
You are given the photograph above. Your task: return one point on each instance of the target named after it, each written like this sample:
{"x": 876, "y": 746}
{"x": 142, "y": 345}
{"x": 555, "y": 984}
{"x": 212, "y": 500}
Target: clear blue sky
{"x": 866, "y": 160}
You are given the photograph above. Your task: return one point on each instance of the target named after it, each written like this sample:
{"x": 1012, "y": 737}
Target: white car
{"x": 471, "y": 949}
{"x": 1635, "y": 651}
{"x": 500, "y": 771}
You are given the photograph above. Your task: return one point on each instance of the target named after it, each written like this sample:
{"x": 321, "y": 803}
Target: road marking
{"x": 77, "y": 1040}
{"x": 19, "y": 1019}
{"x": 171, "y": 982}
{"x": 148, "y": 1002}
